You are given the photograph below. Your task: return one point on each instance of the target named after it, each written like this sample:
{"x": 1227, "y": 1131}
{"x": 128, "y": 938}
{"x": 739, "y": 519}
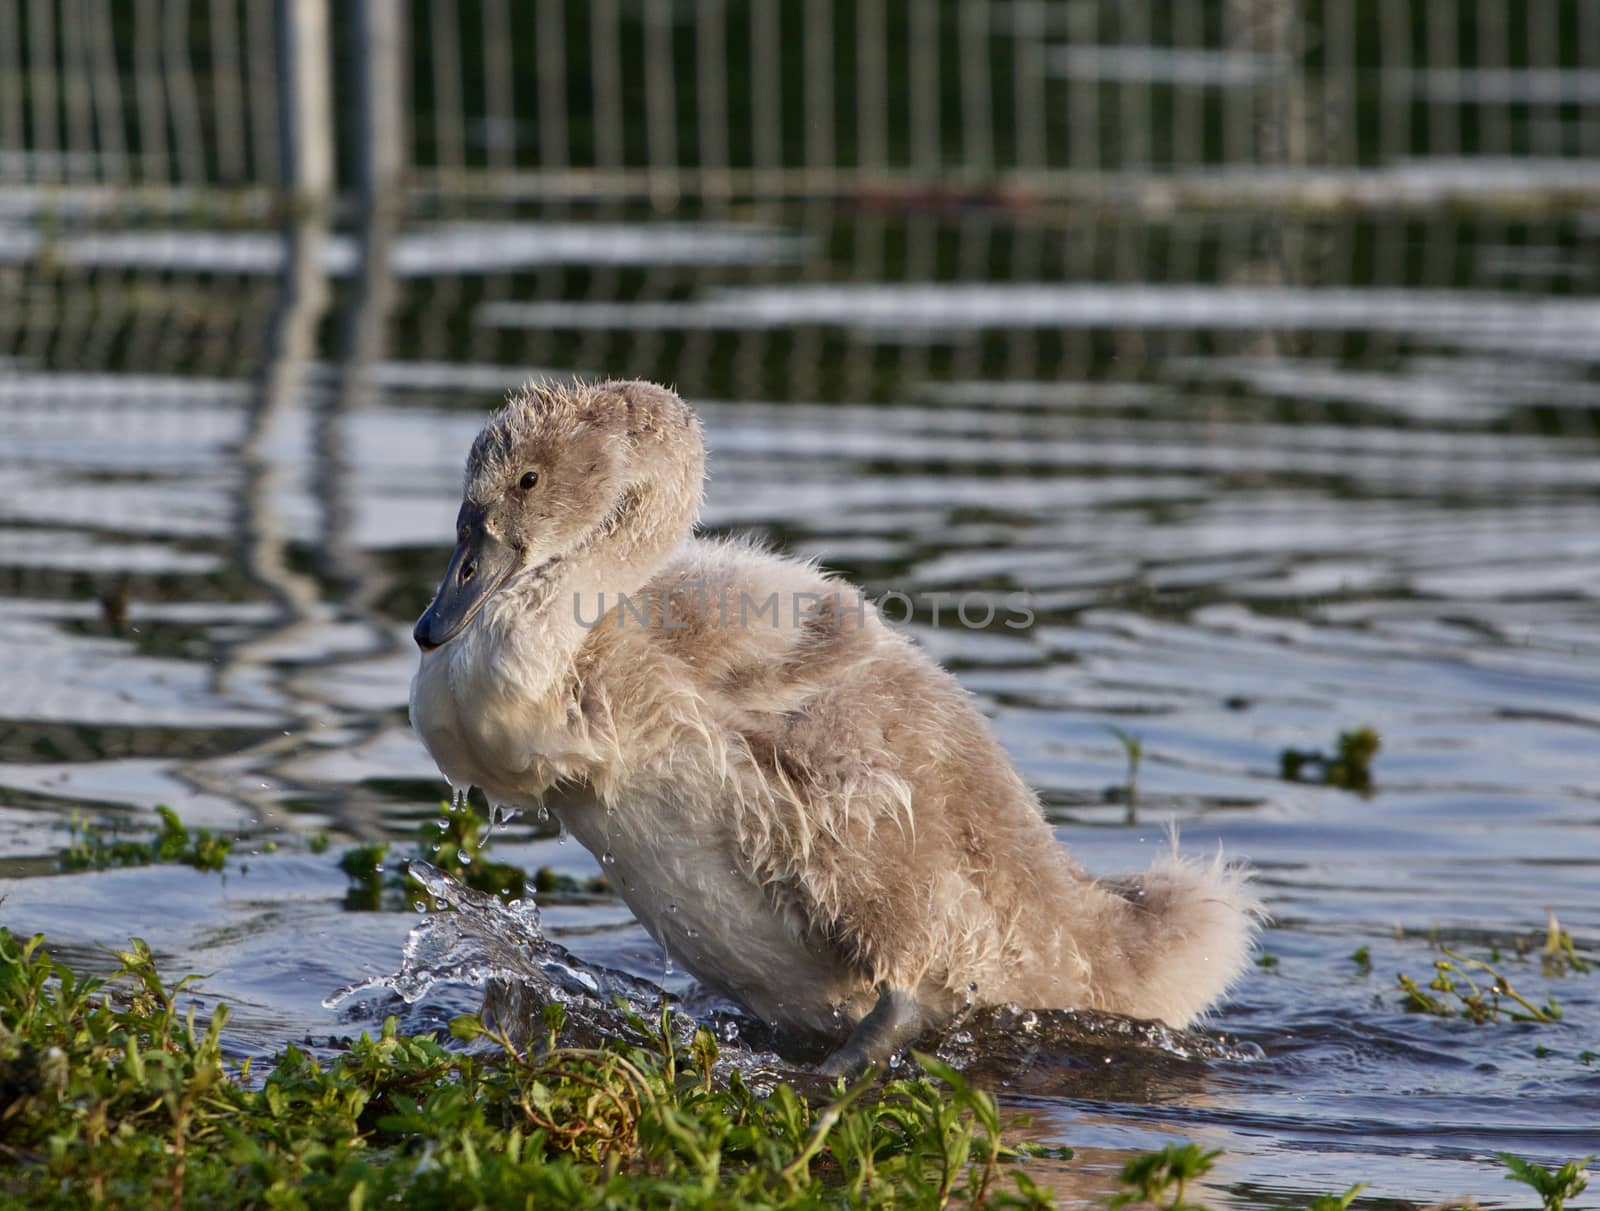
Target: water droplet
{"x": 444, "y": 825}
{"x": 672, "y": 908}
{"x": 463, "y": 857}
{"x": 543, "y": 814}
{"x": 377, "y": 868}
{"x": 692, "y": 933}
{"x": 420, "y": 905}
{"x": 609, "y": 858}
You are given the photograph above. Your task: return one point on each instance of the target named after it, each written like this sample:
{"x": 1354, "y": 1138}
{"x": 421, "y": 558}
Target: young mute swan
{"x": 805, "y": 811}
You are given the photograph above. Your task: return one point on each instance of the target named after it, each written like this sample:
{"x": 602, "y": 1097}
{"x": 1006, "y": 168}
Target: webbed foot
{"x": 895, "y": 1020}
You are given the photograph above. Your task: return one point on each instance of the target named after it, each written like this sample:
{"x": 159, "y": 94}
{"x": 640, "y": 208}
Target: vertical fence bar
{"x": 1443, "y": 77}
{"x": 977, "y": 91}
{"x": 1494, "y": 127}
{"x": 1589, "y": 60}
{"x": 227, "y": 106}
{"x": 109, "y": 117}
{"x": 380, "y": 122}
{"x": 1239, "y": 98}
{"x": 1396, "y": 80}
{"x": 606, "y": 83}
{"x": 182, "y": 98}
{"x": 872, "y": 99}
{"x": 306, "y": 124}
{"x": 266, "y": 94}
{"x": 1084, "y": 35}
{"x": 11, "y": 125}
{"x": 926, "y": 151}
{"x": 766, "y": 100}
{"x": 149, "y": 93}
{"x": 819, "y": 100}
{"x": 1544, "y": 56}
{"x": 711, "y": 97}
{"x": 661, "y": 106}
{"x": 554, "y": 137}
{"x": 499, "y": 100}
{"x": 444, "y": 62}
{"x": 1188, "y": 100}
{"x": 76, "y": 94}
{"x": 1028, "y": 65}
{"x": 42, "y": 88}
{"x": 1337, "y": 141}
{"x": 1133, "y": 96}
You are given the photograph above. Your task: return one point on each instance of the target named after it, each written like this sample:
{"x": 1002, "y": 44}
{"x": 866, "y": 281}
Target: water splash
{"x": 501, "y": 947}
{"x": 485, "y": 939}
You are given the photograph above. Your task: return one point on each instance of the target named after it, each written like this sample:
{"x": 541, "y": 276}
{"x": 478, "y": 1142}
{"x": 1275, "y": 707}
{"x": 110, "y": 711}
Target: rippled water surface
{"x": 1262, "y": 480}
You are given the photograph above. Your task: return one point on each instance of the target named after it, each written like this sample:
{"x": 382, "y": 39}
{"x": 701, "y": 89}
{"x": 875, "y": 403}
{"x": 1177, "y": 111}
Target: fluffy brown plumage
{"x": 802, "y": 808}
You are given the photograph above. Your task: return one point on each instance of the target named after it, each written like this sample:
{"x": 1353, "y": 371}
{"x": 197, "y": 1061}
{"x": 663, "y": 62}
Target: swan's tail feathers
{"x": 1192, "y": 928}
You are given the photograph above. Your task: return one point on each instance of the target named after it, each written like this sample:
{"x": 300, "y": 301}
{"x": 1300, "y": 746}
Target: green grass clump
{"x": 92, "y": 849}
{"x": 1350, "y": 768}
{"x": 112, "y": 1095}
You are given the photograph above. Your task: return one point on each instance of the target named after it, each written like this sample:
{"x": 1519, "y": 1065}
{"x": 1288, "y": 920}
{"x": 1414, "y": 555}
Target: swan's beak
{"x": 478, "y": 566}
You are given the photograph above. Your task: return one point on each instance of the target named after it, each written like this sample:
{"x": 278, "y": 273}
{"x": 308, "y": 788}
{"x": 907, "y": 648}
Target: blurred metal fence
{"x": 782, "y": 98}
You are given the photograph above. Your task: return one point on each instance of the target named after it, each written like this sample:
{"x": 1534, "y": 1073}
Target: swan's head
{"x": 607, "y": 477}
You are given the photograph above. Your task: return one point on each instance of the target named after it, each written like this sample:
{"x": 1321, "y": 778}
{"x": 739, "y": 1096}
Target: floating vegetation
{"x": 454, "y": 841}
{"x": 1361, "y": 956}
{"x": 1350, "y": 768}
{"x": 95, "y": 848}
{"x": 1462, "y": 996}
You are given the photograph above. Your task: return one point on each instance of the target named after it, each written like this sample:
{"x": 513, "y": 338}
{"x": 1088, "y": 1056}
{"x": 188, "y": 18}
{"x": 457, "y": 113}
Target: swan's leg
{"x": 895, "y": 1020}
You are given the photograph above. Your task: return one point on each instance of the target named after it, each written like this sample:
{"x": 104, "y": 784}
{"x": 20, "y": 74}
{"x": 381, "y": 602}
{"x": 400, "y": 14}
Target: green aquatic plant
{"x": 92, "y": 847}
{"x": 1559, "y": 955}
{"x": 1554, "y": 1187}
{"x": 1462, "y": 996}
{"x": 456, "y": 841}
{"x": 1361, "y": 956}
{"x": 1133, "y": 749}
{"x": 364, "y": 867}
{"x": 1162, "y": 1178}
{"x": 1350, "y": 768}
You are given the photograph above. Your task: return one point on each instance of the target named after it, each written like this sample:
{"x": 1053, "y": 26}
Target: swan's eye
{"x": 529, "y": 478}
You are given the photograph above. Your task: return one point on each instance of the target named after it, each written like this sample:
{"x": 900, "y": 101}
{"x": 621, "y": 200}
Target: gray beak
{"x": 479, "y": 565}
